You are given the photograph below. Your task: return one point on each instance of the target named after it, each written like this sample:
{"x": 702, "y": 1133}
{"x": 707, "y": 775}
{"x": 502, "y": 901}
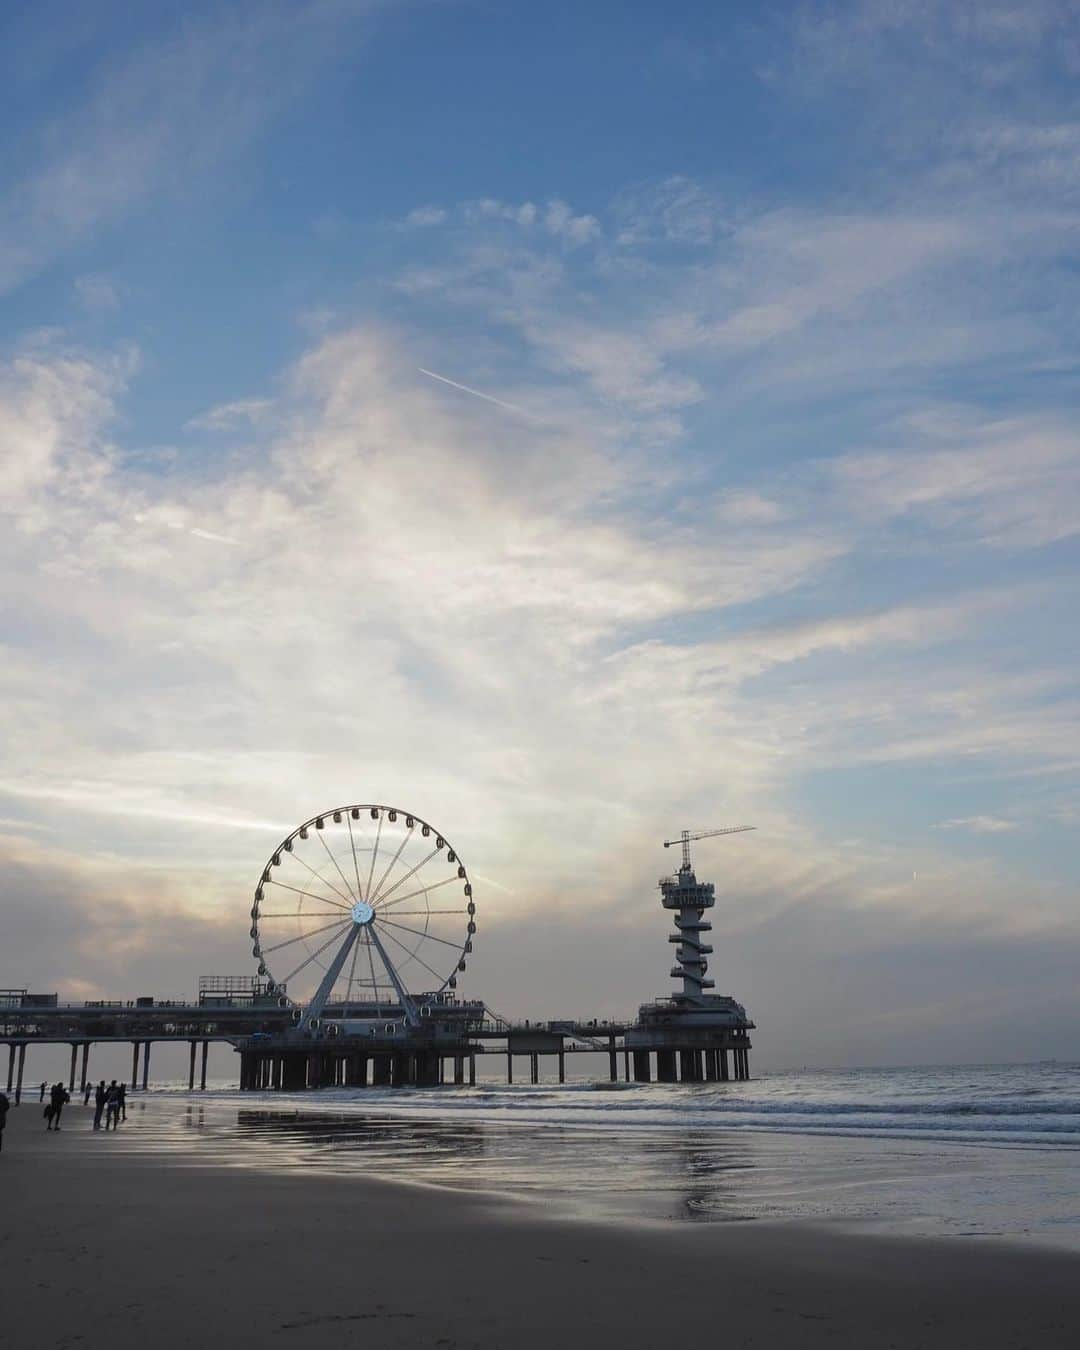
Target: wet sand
{"x": 121, "y": 1247}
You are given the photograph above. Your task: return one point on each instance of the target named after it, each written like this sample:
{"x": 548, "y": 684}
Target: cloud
{"x": 554, "y": 218}
{"x": 97, "y": 292}
{"x": 423, "y": 217}
{"x": 162, "y": 116}
{"x": 980, "y": 824}
{"x": 1013, "y": 483}
{"x": 227, "y": 416}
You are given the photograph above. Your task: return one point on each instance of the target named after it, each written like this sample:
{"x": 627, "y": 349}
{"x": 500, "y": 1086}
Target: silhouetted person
{"x": 41, "y": 1093}
{"x": 100, "y": 1094}
{"x": 58, "y": 1099}
{"x": 88, "y": 1087}
{"x": 122, "y": 1089}
{"x": 112, "y": 1105}
{"x": 4, "y": 1104}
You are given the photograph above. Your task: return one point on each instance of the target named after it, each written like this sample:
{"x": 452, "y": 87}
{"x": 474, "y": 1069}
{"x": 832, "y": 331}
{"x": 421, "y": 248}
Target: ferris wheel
{"x": 363, "y": 904}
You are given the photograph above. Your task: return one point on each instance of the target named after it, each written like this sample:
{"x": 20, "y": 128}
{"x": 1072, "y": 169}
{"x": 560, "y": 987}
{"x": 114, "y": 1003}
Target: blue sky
{"x": 768, "y": 510}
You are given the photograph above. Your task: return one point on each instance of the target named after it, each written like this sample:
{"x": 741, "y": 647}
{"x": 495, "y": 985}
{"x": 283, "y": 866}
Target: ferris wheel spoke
{"x": 374, "y": 854}
{"x": 302, "y": 937}
{"x": 317, "y": 952}
{"x": 300, "y": 914}
{"x": 423, "y": 913}
{"x": 413, "y": 956}
{"x": 374, "y": 895}
{"x": 320, "y": 878}
{"x": 323, "y": 899}
{"x": 384, "y": 896}
{"x": 422, "y": 891}
{"x": 355, "y": 862}
{"x": 430, "y": 936}
{"x": 341, "y": 874}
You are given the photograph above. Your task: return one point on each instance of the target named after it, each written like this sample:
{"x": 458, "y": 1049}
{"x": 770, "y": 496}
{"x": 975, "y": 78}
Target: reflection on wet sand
{"x": 651, "y": 1175}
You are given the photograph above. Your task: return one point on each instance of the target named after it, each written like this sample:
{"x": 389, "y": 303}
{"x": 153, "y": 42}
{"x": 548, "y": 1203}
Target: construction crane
{"x": 685, "y": 837}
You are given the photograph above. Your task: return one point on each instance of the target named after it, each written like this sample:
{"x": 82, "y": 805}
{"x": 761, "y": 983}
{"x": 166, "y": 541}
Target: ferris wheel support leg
{"x": 411, "y": 1015}
{"x": 315, "y": 1007}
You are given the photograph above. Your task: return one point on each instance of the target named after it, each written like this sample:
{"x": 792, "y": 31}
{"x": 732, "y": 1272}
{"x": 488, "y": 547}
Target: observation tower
{"x": 692, "y": 1030}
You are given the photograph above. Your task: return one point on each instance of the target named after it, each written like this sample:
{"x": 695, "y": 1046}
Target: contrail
{"x": 488, "y": 398}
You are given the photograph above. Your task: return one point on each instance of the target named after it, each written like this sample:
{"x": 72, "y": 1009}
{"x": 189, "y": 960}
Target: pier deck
{"x": 275, "y": 1054}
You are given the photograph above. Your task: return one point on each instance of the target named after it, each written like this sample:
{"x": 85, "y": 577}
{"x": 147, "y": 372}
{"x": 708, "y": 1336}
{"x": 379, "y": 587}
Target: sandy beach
{"x": 110, "y": 1244}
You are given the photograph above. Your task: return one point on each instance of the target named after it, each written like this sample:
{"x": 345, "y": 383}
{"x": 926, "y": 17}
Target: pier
{"x": 360, "y": 1029}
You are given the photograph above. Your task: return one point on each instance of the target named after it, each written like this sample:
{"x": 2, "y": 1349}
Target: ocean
{"x": 984, "y": 1151}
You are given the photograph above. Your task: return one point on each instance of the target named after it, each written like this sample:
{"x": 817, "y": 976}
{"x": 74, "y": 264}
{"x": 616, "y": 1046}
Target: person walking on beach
{"x": 88, "y": 1087}
{"x": 112, "y": 1105}
{"x": 41, "y": 1093}
{"x": 58, "y": 1099}
{"x": 99, "y": 1103}
{"x": 122, "y": 1090}
{"x": 4, "y": 1104}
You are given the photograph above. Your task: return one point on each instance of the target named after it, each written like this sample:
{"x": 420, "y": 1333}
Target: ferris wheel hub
{"x": 362, "y": 913}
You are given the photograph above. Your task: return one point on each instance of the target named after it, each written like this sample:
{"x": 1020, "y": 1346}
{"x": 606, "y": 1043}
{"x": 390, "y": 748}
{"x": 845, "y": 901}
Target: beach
{"x": 109, "y": 1242}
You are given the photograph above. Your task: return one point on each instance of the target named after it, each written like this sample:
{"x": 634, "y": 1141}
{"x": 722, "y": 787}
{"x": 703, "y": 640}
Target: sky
{"x": 572, "y": 424}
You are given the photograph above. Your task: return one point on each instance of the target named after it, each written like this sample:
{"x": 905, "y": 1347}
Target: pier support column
{"x": 534, "y": 1067}
{"x": 85, "y": 1063}
{"x": 427, "y": 1065}
{"x": 19, "y": 1075}
{"x": 665, "y": 1066}
{"x": 690, "y": 1066}
{"x": 459, "y": 1070}
{"x": 721, "y": 1056}
{"x": 710, "y": 1066}
{"x": 134, "y": 1065}
{"x": 472, "y": 1070}
{"x": 191, "y": 1068}
{"x": 71, "y": 1076}
{"x": 380, "y": 1071}
{"x": 10, "y": 1064}
{"x": 509, "y": 1067}
{"x": 202, "y": 1076}
{"x": 626, "y": 1065}
{"x": 562, "y": 1065}
{"x": 613, "y": 1060}
{"x": 641, "y": 1066}
{"x": 145, "y": 1065}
